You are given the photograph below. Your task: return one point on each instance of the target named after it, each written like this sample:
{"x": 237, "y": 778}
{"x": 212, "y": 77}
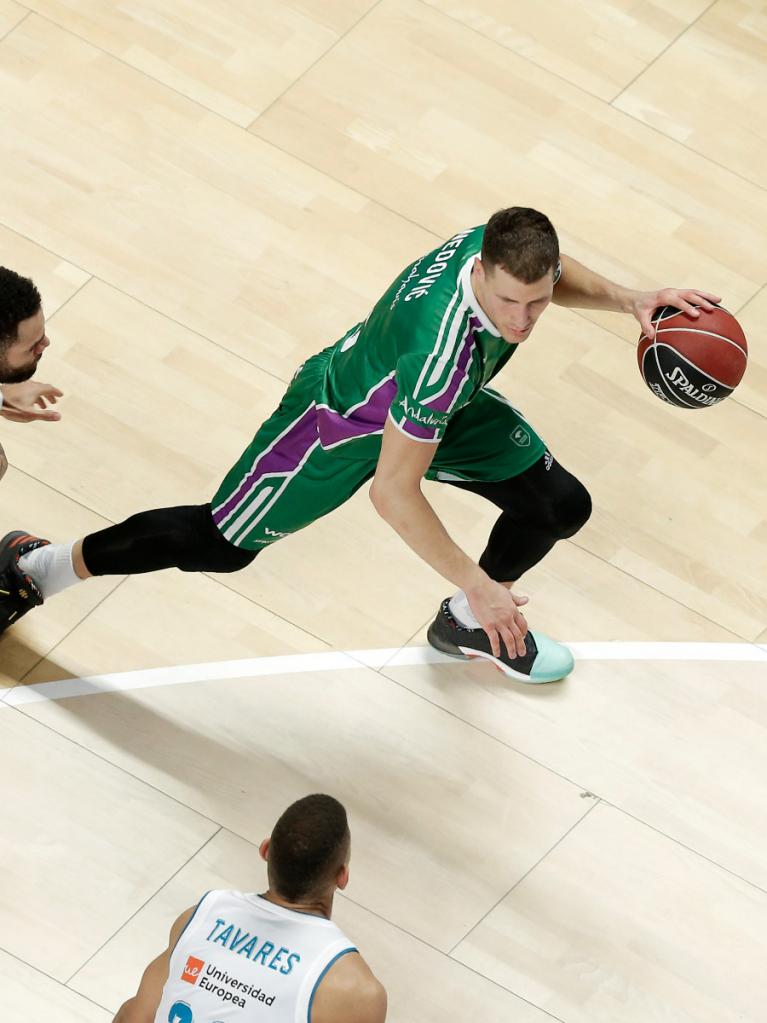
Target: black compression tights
{"x": 544, "y": 504}
{"x": 184, "y": 537}
{"x": 540, "y": 506}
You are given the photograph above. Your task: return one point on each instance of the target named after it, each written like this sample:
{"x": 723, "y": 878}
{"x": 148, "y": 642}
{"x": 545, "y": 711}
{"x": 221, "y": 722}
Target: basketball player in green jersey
{"x": 402, "y": 396}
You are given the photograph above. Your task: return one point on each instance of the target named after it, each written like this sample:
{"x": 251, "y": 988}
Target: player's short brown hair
{"x": 522, "y": 242}
{"x": 309, "y": 844}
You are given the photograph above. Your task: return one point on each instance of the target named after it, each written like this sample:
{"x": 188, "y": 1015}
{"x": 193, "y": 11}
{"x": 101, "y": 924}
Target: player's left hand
{"x": 26, "y": 402}
{"x": 644, "y": 304}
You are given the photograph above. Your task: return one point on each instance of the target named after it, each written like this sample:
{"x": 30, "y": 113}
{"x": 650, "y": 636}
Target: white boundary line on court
{"x": 253, "y": 667}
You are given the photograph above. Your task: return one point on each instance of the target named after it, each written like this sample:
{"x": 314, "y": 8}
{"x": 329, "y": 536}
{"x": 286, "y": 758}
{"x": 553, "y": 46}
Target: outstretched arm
{"x": 581, "y": 288}
{"x": 397, "y": 497}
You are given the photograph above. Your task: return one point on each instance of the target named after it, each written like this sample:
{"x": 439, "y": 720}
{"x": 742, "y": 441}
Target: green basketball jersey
{"x": 422, "y": 354}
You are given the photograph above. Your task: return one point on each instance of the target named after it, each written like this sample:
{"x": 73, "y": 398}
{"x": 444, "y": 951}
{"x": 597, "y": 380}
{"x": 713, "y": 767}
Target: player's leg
{"x": 183, "y": 537}
{"x": 281, "y": 483}
{"x": 32, "y": 569}
{"x": 543, "y": 504}
{"x": 495, "y": 453}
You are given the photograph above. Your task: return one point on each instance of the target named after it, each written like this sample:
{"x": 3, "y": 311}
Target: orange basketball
{"x": 693, "y": 362}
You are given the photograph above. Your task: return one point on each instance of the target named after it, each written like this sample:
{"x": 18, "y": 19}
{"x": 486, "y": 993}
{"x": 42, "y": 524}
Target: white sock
{"x": 463, "y": 614}
{"x": 50, "y": 567}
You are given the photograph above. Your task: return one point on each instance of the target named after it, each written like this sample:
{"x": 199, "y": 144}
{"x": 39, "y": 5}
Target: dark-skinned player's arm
{"x": 397, "y": 497}
{"x": 581, "y": 288}
{"x": 143, "y": 1006}
{"x": 349, "y": 993}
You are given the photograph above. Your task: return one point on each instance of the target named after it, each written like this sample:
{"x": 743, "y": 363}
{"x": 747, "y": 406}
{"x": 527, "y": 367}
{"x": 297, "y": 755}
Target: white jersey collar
{"x": 464, "y": 277}
{"x": 287, "y": 912}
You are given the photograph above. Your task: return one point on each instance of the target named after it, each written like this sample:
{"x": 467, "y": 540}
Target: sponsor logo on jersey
{"x": 192, "y": 970}
{"x": 680, "y": 381}
{"x": 232, "y": 989}
{"x": 548, "y": 460}
{"x": 271, "y": 535}
{"x": 521, "y": 437}
{"x": 428, "y": 419}
{"x": 413, "y": 273}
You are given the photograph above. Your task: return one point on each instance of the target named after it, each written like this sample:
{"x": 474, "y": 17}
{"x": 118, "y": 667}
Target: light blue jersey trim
{"x": 318, "y": 980}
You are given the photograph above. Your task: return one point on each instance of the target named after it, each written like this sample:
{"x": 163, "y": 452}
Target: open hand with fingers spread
{"x": 28, "y": 402}
{"x": 645, "y": 303}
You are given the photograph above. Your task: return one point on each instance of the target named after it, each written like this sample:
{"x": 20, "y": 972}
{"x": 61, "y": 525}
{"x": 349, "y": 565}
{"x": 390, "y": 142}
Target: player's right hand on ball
{"x": 497, "y": 611}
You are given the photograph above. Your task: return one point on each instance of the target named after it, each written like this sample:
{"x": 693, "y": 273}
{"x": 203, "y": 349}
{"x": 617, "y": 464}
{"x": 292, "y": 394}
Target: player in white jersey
{"x": 275, "y": 957}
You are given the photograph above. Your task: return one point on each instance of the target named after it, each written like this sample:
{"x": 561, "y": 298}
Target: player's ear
{"x": 263, "y": 849}
{"x": 342, "y": 877}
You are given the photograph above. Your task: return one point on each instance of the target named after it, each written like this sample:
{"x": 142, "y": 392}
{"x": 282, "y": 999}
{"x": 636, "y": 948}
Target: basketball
{"x": 693, "y": 362}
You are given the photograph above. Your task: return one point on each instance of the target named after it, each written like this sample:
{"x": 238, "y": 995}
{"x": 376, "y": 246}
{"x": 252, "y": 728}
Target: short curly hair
{"x": 19, "y": 299}
{"x": 309, "y": 844}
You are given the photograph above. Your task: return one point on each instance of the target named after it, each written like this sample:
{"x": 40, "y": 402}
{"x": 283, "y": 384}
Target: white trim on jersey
{"x": 248, "y": 511}
{"x": 365, "y": 400}
{"x": 434, "y": 354}
{"x": 464, "y": 279}
{"x": 245, "y": 497}
{"x": 467, "y": 334}
{"x": 420, "y": 440}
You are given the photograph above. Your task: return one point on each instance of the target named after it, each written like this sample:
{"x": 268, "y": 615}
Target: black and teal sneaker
{"x": 543, "y": 660}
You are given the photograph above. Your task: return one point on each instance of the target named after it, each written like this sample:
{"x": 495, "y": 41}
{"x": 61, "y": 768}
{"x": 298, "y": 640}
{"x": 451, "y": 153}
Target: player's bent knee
{"x": 211, "y": 551}
{"x": 573, "y": 510}
{"x": 221, "y": 556}
{"x": 556, "y": 501}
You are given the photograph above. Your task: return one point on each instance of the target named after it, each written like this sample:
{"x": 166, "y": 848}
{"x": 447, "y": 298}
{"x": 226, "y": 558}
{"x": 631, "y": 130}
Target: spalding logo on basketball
{"x": 693, "y": 362}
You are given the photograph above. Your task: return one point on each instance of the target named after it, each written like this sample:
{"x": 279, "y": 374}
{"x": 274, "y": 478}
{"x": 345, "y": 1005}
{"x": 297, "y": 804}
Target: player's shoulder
{"x": 181, "y": 922}
{"x": 431, "y": 301}
{"x": 350, "y": 993}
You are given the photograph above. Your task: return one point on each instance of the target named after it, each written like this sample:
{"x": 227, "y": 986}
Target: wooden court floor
{"x": 206, "y": 195}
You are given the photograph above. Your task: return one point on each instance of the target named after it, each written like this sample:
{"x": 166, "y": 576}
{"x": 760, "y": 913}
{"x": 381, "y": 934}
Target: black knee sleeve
{"x": 185, "y": 537}
{"x": 565, "y": 504}
{"x": 546, "y": 496}
{"x": 544, "y": 504}
{"x": 210, "y": 551}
